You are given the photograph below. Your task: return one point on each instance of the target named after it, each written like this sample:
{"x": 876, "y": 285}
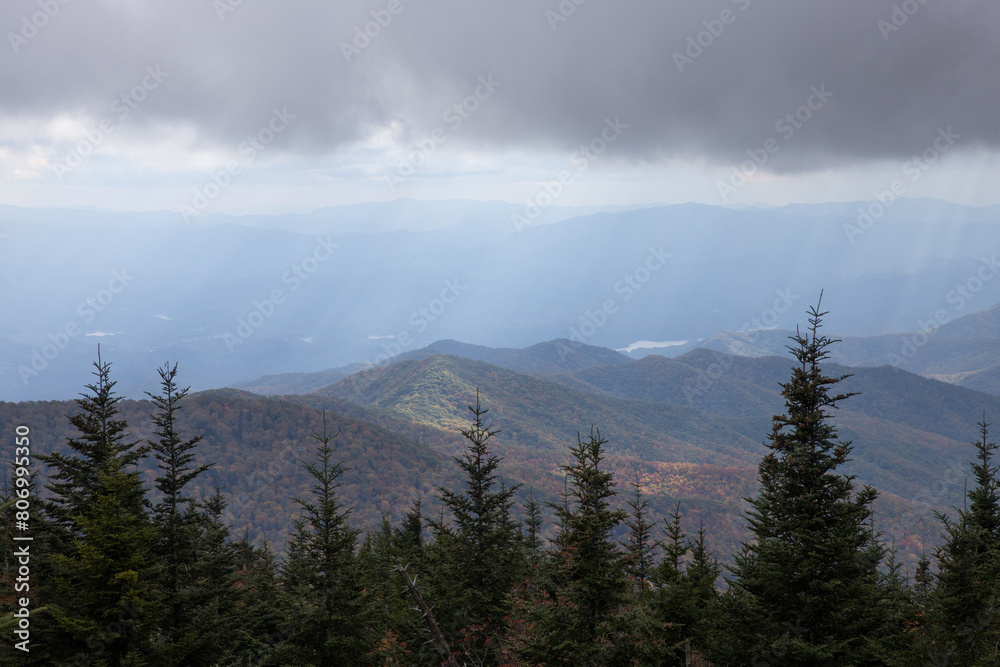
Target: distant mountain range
{"x": 552, "y": 358}
{"x": 963, "y": 351}
{"x": 236, "y": 297}
{"x": 691, "y": 427}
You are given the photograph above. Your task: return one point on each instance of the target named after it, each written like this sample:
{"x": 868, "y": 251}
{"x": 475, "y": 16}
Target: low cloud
{"x": 706, "y": 81}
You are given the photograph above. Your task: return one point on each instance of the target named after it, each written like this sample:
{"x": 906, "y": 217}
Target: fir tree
{"x": 104, "y": 596}
{"x": 73, "y": 479}
{"x": 968, "y": 580}
{"x": 675, "y": 547}
{"x": 533, "y": 530}
{"x": 210, "y": 628}
{"x": 685, "y": 591}
{"x": 900, "y": 644}
{"x": 100, "y": 535}
{"x": 672, "y": 602}
{"x": 807, "y": 585}
{"x": 266, "y": 615}
{"x": 701, "y": 594}
{"x": 481, "y": 554}
{"x": 984, "y": 498}
{"x": 177, "y": 527}
{"x": 408, "y": 538}
{"x": 403, "y": 635}
{"x": 321, "y": 573}
{"x": 576, "y": 614}
{"x": 640, "y": 546}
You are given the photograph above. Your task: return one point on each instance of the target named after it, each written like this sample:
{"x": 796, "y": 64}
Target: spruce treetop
{"x": 811, "y": 572}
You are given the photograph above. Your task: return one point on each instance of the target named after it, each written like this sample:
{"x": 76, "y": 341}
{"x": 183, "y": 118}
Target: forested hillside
{"x": 503, "y": 541}
{"x": 256, "y": 446}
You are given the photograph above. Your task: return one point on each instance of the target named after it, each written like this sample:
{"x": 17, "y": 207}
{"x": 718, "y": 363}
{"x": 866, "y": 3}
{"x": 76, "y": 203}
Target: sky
{"x": 205, "y": 106}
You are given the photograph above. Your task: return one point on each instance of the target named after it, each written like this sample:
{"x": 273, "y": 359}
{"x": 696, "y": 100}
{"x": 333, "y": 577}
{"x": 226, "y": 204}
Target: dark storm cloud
{"x": 690, "y": 79}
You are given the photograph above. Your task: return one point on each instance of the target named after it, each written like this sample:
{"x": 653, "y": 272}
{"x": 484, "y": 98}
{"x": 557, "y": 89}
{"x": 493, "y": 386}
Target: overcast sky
{"x": 296, "y": 105}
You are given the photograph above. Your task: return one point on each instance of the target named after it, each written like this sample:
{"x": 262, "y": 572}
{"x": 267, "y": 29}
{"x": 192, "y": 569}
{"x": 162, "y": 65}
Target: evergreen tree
{"x": 100, "y": 535}
{"x": 266, "y": 615}
{"x": 210, "y": 630}
{"x": 670, "y": 570}
{"x": 321, "y": 573}
{"x": 808, "y": 584}
{"x": 177, "y": 525}
{"x": 575, "y": 615}
{"x": 968, "y": 581}
{"x": 73, "y": 479}
{"x": 984, "y": 498}
{"x": 401, "y": 629}
{"x": 104, "y": 597}
{"x": 640, "y": 546}
{"x": 923, "y": 581}
{"x": 533, "y": 531}
{"x": 685, "y": 591}
{"x": 480, "y": 556}
{"x": 902, "y": 643}
{"x": 701, "y": 594}
{"x": 923, "y": 639}
{"x": 672, "y": 606}
{"x": 408, "y": 538}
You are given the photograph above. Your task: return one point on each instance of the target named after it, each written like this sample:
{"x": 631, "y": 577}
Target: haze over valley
{"x": 511, "y": 334}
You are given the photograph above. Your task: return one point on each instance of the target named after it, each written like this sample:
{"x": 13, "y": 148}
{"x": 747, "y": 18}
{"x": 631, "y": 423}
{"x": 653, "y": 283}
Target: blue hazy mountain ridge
{"x": 963, "y": 351}
{"x": 234, "y": 299}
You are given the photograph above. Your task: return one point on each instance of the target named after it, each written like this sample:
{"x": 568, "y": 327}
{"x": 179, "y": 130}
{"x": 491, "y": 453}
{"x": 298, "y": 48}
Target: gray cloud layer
{"x": 891, "y": 88}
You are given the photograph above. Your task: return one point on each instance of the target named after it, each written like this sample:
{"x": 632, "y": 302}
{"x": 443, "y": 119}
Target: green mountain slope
{"x": 552, "y": 357}
{"x": 910, "y": 433}
{"x": 541, "y": 415}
